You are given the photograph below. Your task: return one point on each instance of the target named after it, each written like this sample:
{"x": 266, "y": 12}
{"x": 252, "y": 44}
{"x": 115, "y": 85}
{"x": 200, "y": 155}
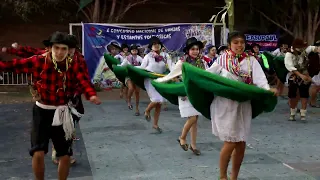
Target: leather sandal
{"x": 195, "y": 151}
{"x": 183, "y": 146}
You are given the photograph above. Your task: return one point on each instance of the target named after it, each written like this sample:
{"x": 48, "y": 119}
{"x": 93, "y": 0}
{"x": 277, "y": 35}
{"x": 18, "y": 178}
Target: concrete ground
{"x": 116, "y": 145}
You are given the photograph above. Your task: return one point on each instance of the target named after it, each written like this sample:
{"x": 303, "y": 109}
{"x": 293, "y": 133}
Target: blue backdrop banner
{"x": 96, "y": 38}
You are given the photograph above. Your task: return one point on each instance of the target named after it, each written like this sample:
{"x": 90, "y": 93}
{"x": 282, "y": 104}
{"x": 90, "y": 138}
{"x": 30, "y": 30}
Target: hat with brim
{"x": 59, "y": 38}
{"x": 299, "y": 43}
{"x": 134, "y": 47}
{"x": 113, "y": 44}
{"x": 46, "y": 42}
{"x": 317, "y": 43}
{"x": 123, "y": 46}
{"x": 73, "y": 42}
{"x": 192, "y": 42}
{"x": 154, "y": 40}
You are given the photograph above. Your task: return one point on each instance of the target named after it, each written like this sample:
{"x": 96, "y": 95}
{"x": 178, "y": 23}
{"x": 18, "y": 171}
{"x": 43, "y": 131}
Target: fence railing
{"x": 13, "y": 79}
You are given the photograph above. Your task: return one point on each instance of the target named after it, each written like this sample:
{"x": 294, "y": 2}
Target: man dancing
{"x": 56, "y": 78}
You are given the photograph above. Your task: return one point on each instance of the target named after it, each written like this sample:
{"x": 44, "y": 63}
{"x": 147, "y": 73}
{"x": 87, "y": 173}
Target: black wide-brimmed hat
{"x": 113, "y": 44}
{"x": 191, "y": 42}
{"x": 73, "y": 42}
{"x": 124, "y": 46}
{"x": 134, "y": 46}
{"x": 154, "y": 40}
{"x": 59, "y": 38}
{"x": 46, "y": 42}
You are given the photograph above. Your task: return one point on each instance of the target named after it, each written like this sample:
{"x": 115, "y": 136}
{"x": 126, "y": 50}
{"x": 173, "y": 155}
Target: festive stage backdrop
{"x": 96, "y": 37}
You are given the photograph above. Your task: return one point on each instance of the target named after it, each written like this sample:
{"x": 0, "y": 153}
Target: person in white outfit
{"x": 135, "y": 60}
{"x": 103, "y": 72}
{"x": 231, "y": 120}
{"x": 192, "y": 56}
{"x": 297, "y": 64}
{"x": 156, "y": 62}
{"x": 281, "y": 51}
{"x": 121, "y": 56}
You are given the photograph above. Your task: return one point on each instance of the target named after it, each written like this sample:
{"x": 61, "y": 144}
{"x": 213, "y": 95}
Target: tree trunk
{"x": 96, "y": 11}
{"x": 297, "y": 21}
{"x": 103, "y": 17}
{"x": 113, "y": 7}
{"x": 116, "y": 19}
{"x": 310, "y": 35}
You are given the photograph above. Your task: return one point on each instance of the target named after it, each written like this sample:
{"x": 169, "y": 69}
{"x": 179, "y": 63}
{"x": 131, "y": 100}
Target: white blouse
{"x": 149, "y": 63}
{"x": 126, "y": 61}
{"x": 176, "y": 71}
{"x": 290, "y": 60}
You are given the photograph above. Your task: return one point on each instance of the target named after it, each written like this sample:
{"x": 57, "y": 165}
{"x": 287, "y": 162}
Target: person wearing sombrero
{"x": 102, "y": 72}
{"x": 157, "y": 62}
{"x": 27, "y": 51}
{"x": 135, "y": 60}
{"x": 299, "y": 78}
{"x": 121, "y": 56}
{"x": 56, "y": 77}
{"x": 192, "y": 56}
{"x": 76, "y": 99}
{"x": 113, "y": 48}
{"x": 231, "y": 120}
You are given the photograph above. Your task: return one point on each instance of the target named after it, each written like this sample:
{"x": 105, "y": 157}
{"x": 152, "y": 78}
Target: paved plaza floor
{"x": 116, "y": 145}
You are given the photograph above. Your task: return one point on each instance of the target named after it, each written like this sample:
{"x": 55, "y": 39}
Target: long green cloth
{"x": 121, "y": 72}
{"x": 201, "y": 87}
{"x": 280, "y": 68}
{"x": 110, "y": 60}
{"x": 277, "y": 63}
{"x": 170, "y": 91}
{"x": 265, "y": 61}
{"x": 138, "y": 75}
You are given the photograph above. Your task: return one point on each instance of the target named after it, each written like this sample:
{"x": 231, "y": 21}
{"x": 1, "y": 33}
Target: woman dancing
{"x": 135, "y": 60}
{"x": 121, "y": 56}
{"x": 157, "y": 62}
{"x": 192, "y": 56}
{"x": 231, "y": 120}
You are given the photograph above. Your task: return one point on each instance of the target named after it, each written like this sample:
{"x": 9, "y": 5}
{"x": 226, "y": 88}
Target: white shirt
{"x": 278, "y": 52}
{"x": 119, "y": 57}
{"x": 127, "y": 61}
{"x": 149, "y": 63}
{"x": 290, "y": 60}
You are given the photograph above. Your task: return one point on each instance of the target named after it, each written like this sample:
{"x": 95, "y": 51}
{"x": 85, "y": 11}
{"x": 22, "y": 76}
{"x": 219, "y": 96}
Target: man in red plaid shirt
{"x": 56, "y": 78}
{"x": 76, "y": 100}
